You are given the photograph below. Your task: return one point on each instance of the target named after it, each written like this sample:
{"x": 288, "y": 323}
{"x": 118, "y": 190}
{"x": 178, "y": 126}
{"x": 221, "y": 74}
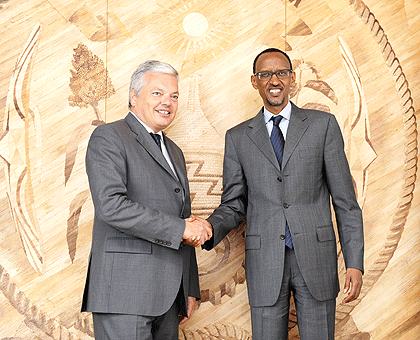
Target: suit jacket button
{"x": 279, "y": 179}
{"x": 285, "y": 205}
{"x": 177, "y": 190}
{"x": 282, "y": 237}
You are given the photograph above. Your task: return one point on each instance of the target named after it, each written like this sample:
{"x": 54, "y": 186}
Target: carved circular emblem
{"x": 46, "y": 211}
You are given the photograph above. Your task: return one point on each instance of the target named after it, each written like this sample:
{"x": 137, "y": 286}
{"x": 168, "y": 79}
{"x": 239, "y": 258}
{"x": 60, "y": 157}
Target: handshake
{"x": 197, "y": 231}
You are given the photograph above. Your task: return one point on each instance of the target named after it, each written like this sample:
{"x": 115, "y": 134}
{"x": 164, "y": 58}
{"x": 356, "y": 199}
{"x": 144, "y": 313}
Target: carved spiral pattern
{"x": 31, "y": 312}
{"x": 410, "y": 164}
{"x": 216, "y": 331}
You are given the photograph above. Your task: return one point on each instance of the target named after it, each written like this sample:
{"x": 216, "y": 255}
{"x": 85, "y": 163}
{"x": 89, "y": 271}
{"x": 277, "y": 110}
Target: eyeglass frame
{"x": 289, "y": 71}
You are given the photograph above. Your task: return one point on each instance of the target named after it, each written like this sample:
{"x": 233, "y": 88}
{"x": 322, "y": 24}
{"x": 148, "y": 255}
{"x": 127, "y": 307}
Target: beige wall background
{"x": 65, "y": 68}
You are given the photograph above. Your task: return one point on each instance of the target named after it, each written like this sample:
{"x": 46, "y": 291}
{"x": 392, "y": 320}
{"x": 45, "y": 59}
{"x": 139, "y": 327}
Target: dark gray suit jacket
{"x": 137, "y": 261}
{"x": 314, "y": 170}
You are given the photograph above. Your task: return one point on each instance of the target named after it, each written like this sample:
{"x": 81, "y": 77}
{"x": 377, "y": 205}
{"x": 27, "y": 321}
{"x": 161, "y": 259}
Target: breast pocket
{"x": 308, "y": 153}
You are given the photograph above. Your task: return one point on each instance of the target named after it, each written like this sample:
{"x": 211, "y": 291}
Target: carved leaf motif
{"x": 316, "y": 106}
{"x": 71, "y": 151}
{"x": 73, "y": 221}
{"x": 324, "y": 88}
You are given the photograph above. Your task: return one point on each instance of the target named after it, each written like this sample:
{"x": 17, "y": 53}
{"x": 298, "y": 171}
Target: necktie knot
{"x": 156, "y": 138}
{"x": 276, "y": 119}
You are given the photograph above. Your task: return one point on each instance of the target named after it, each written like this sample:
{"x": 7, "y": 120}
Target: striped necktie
{"x": 277, "y": 140}
{"x": 156, "y": 138}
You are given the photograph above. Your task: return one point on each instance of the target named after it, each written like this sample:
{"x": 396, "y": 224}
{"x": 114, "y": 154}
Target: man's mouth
{"x": 164, "y": 112}
{"x": 275, "y": 91}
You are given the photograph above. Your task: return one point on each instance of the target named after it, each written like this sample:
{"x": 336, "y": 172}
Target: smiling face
{"x": 157, "y": 102}
{"x": 274, "y": 92}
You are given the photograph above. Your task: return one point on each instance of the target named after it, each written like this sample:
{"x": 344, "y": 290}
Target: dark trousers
{"x": 137, "y": 327}
{"x": 316, "y": 319}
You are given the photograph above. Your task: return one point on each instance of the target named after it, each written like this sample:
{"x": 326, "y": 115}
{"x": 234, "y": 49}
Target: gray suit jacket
{"x": 314, "y": 169}
{"x": 137, "y": 261}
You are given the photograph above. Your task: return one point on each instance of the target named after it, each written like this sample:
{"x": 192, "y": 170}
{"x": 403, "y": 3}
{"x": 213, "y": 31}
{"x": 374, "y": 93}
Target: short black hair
{"x": 269, "y": 50}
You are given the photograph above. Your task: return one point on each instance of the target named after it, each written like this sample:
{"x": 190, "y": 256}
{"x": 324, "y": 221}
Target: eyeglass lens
{"x": 266, "y": 75}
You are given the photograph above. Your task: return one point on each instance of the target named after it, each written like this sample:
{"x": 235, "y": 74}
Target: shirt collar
{"x": 148, "y": 129}
{"x": 286, "y": 112}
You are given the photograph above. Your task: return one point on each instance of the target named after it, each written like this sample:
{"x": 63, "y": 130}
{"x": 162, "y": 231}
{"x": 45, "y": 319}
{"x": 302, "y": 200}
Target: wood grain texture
{"x": 356, "y": 59}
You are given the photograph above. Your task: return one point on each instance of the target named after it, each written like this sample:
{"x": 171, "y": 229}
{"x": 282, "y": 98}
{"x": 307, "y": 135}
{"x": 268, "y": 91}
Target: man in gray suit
{"x": 284, "y": 186}
{"x": 142, "y": 276}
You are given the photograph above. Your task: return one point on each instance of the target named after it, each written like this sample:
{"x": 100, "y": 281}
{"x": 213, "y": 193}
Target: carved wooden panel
{"x": 65, "y": 68}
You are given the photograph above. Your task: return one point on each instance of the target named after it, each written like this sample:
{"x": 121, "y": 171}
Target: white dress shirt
{"x": 164, "y": 150}
{"x": 284, "y": 123}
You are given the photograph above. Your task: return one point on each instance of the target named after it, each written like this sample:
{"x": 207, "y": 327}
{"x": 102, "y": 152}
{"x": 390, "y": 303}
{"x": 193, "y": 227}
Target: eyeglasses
{"x": 266, "y": 75}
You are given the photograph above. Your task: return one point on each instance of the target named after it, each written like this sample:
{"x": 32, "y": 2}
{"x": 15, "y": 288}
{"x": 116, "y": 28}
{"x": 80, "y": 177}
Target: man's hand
{"x": 197, "y": 231}
{"x": 192, "y": 301}
{"x": 353, "y": 284}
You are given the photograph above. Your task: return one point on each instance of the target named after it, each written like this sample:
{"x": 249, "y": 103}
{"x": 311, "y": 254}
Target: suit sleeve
{"x": 231, "y": 211}
{"x": 194, "y": 285}
{"x": 347, "y": 210}
{"x": 107, "y": 173}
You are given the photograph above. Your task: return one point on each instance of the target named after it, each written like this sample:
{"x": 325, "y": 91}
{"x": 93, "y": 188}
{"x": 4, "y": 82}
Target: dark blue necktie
{"x": 156, "y": 137}
{"x": 277, "y": 140}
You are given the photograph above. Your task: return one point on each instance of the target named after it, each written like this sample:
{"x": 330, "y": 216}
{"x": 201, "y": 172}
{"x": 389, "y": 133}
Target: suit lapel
{"x": 177, "y": 161}
{"x": 257, "y": 132}
{"x": 297, "y": 127}
{"x": 147, "y": 142}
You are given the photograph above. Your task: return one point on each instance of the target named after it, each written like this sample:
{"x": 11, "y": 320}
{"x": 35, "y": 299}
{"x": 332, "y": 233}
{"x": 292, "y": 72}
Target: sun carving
{"x": 195, "y": 24}
{"x": 201, "y": 30}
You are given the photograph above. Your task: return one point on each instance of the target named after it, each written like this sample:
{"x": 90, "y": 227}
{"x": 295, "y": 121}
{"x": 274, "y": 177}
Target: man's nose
{"x": 274, "y": 79}
{"x": 166, "y": 98}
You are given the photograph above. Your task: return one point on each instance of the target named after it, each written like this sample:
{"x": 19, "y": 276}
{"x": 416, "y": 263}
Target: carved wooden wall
{"x": 65, "y": 68}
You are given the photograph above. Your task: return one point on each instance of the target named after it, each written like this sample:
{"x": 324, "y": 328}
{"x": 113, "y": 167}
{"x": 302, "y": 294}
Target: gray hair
{"x": 152, "y": 66}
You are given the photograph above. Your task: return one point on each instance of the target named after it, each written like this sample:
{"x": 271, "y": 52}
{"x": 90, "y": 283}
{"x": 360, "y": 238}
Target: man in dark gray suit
{"x": 284, "y": 186}
{"x": 142, "y": 274}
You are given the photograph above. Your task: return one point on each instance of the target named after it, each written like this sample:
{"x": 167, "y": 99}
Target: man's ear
{"x": 293, "y": 79}
{"x": 133, "y": 97}
{"x": 254, "y": 82}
